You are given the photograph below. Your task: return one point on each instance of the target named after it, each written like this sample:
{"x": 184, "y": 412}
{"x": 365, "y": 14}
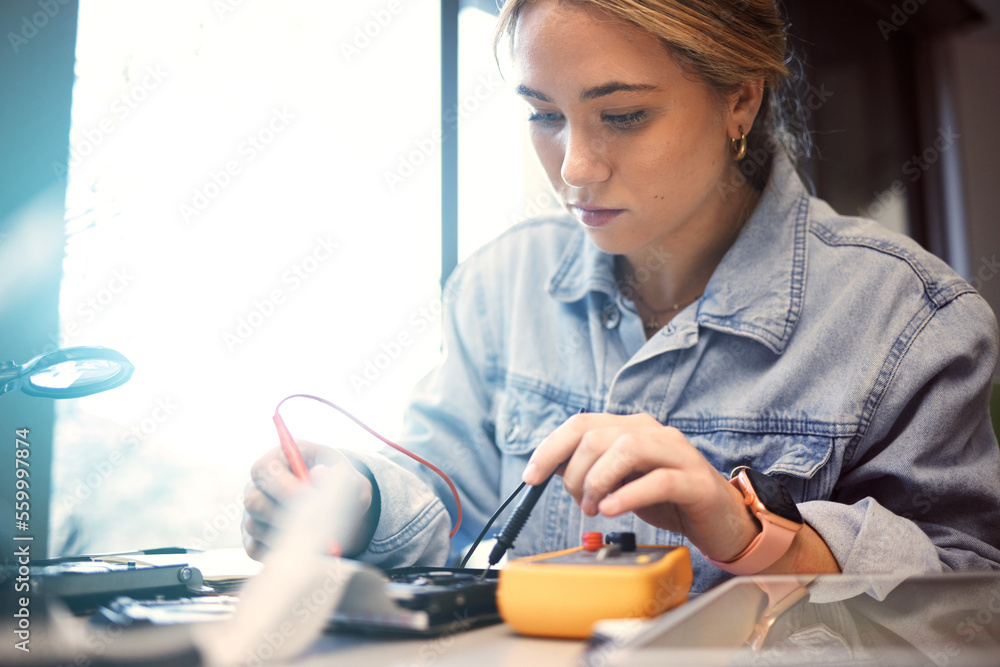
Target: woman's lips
{"x": 595, "y": 216}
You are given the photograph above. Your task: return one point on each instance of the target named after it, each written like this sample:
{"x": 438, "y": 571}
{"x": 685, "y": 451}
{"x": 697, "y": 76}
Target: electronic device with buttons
{"x": 563, "y": 593}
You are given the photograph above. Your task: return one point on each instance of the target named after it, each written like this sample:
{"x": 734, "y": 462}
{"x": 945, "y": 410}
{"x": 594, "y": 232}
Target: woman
{"x": 707, "y": 314}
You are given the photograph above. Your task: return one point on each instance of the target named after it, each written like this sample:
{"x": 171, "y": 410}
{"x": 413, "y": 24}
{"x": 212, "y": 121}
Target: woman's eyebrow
{"x": 525, "y": 91}
{"x": 591, "y": 93}
{"x": 614, "y": 87}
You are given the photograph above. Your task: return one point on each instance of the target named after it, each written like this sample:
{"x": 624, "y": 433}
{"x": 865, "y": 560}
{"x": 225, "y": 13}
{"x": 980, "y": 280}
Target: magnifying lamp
{"x": 68, "y": 373}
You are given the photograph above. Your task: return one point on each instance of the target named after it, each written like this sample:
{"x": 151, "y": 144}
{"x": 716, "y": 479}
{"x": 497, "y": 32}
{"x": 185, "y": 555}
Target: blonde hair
{"x": 724, "y": 43}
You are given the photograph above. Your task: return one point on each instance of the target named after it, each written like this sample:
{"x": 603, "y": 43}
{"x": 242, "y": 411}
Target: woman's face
{"x": 637, "y": 151}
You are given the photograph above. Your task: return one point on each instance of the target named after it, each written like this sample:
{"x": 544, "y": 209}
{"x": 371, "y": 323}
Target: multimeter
{"x": 563, "y": 593}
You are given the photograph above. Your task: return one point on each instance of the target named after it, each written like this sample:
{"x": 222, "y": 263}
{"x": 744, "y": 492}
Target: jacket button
{"x": 610, "y": 316}
{"x": 512, "y": 430}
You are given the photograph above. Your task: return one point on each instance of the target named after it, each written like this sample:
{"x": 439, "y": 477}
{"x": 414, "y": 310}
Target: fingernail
{"x": 529, "y": 473}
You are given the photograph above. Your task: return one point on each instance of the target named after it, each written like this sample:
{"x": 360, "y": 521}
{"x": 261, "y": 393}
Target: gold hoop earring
{"x": 739, "y": 146}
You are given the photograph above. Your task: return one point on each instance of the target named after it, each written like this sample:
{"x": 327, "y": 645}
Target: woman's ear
{"x": 744, "y": 105}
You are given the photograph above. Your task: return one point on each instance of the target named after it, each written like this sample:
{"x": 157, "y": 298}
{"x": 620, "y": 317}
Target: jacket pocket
{"x": 799, "y": 461}
{"x": 524, "y": 418}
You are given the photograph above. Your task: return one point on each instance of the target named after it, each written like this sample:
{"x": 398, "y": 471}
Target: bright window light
{"x": 500, "y": 182}
{"x": 250, "y": 215}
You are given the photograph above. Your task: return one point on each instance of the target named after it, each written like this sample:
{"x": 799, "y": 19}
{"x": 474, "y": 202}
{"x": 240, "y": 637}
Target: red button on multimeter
{"x": 563, "y": 593}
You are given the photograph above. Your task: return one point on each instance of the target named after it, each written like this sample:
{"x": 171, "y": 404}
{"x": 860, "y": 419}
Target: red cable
{"x": 291, "y": 451}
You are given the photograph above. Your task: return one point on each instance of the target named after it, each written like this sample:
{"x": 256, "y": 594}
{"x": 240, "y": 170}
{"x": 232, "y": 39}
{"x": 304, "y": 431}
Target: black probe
{"x": 505, "y": 540}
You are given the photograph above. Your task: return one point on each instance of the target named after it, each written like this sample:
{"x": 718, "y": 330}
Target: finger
{"x": 258, "y": 505}
{"x": 560, "y": 444}
{"x": 254, "y": 547}
{"x": 592, "y": 447}
{"x": 655, "y": 487}
{"x": 272, "y": 475}
{"x": 314, "y": 454}
{"x": 633, "y": 453}
{"x": 258, "y": 530}
{"x": 255, "y": 536}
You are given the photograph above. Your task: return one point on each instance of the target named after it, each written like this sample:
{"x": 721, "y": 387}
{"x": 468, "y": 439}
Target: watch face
{"x": 773, "y": 495}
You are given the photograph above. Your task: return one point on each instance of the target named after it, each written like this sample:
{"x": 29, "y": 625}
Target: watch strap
{"x": 771, "y": 543}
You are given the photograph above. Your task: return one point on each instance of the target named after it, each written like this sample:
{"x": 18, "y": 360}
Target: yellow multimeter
{"x": 563, "y": 593}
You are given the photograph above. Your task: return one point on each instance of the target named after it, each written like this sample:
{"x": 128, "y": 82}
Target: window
{"x": 500, "y": 181}
{"x": 253, "y": 211}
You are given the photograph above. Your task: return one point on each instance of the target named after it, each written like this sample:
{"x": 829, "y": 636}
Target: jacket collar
{"x": 771, "y": 249}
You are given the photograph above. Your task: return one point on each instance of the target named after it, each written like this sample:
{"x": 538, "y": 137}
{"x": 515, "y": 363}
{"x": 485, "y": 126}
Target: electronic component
{"x": 412, "y": 601}
{"x": 82, "y": 586}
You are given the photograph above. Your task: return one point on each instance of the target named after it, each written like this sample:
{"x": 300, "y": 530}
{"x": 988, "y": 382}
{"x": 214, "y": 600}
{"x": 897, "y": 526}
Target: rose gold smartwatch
{"x": 770, "y": 502}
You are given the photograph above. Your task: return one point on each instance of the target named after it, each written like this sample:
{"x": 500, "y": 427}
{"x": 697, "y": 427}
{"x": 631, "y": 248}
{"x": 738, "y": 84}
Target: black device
{"x": 450, "y": 599}
{"x": 426, "y": 602}
{"x": 85, "y": 585}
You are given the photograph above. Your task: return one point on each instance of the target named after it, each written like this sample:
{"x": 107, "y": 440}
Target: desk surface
{"x": 493, "y": 646}
{"x": 944, "y": 619}
{"x": 951, "y": 619}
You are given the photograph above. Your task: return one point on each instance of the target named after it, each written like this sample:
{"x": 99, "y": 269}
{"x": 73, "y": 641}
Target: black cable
{"x": 505, "y": 540}
{"x": 489, "y": 523}
{"x": 511, "y": 529}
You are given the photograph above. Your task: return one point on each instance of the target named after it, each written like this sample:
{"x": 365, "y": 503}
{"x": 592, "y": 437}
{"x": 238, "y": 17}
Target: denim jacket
{"x": 838, "y": 357}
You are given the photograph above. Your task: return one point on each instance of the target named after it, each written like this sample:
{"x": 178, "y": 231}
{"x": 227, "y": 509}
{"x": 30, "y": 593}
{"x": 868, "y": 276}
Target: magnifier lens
{"x": 75, "y": 373}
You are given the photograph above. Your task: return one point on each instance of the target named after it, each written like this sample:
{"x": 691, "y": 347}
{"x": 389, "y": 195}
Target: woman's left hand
{"x": 632, "y": 463}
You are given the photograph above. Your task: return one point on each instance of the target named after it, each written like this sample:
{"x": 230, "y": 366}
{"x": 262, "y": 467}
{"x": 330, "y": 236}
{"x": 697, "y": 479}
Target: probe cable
{"x": 302, "y": 472}
{"x": 468, "y": 554}
{"x": 505, "y": 538}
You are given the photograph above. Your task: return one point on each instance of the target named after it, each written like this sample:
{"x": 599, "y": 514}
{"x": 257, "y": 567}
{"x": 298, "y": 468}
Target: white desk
{"x": 492, "y": 646}
{"x": 949, "y": 619}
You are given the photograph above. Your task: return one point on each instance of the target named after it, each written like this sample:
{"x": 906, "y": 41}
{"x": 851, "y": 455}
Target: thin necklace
{"x": 652, "y": 323}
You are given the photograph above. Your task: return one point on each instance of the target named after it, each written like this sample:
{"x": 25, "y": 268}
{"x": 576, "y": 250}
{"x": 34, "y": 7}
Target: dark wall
{"x": 874, "y": 104}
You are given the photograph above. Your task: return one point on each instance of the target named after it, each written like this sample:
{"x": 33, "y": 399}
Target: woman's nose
{"x": 584, "y": 160}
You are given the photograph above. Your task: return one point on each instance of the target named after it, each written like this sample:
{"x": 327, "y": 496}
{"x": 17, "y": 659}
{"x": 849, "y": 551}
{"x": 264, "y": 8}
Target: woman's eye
{"x": 544, "y": 118}
{"x": 625, "y": 121}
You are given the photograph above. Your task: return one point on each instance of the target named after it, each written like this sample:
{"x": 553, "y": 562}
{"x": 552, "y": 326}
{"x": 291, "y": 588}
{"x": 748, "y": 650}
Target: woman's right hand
{"x": 272, "y": 485}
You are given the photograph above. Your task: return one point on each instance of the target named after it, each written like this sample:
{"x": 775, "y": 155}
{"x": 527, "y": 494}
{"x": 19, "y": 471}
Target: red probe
{"x": 298, "y": 465}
